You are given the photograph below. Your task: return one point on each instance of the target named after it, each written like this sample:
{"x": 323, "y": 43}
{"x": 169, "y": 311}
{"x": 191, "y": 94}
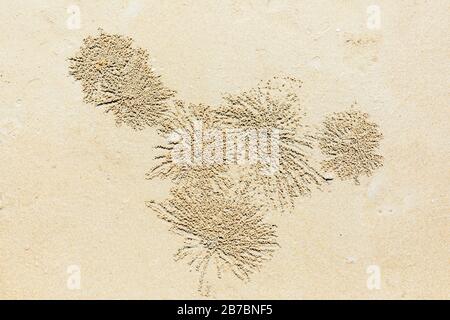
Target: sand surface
{"x": 73, "y": 219}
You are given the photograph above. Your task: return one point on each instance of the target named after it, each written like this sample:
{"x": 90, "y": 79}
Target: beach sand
{"x": 73, "y": 218}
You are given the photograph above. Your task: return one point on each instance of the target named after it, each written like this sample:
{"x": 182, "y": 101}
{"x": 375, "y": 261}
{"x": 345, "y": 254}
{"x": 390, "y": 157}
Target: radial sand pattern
{"x": 350, "y": 140}
{"x": 185, "y": 158}
{"x": 117, "y": 76}
{"x": 275, "y": 104}
{"x": 218, "y": 206}
{"x": 221, "y": 231}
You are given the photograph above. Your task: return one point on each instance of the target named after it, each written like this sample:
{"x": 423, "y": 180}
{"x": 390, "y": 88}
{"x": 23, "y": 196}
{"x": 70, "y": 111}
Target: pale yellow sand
{"x": 72, "y": 183}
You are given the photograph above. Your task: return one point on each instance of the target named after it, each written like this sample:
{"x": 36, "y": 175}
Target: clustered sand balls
{"x": 220, "y": 209}
{"x": 350, "y": 141}
{"x": 275, "y": 103}
{"x": 183, "y": 116}
{"x": 224, "y": 230}
{"x": 117, "y": 76}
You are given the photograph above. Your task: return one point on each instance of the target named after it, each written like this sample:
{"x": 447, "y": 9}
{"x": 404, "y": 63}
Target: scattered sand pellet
{"x": 200, "y": 172}
{"x": 218, "y": 207}
{"x": 225, "y": 232}
{"x": 117, "y": 76}
{"x": 350, "y": 141}
{"x": 275, "y": 104}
